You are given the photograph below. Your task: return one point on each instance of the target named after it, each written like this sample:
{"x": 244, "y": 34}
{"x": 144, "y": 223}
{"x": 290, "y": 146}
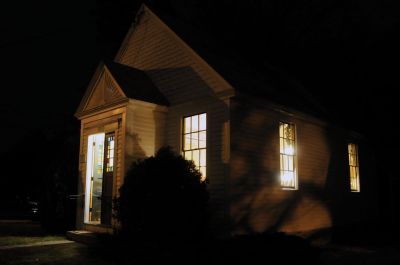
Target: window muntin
{"x": 110, "y": 153}
{"x": 195, "y": 141}
{"x": 287, "y": 143}
{"x": 354, "y": 167}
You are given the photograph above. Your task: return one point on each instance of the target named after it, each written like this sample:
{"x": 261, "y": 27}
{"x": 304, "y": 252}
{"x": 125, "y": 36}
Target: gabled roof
{"x": 174, "y": 67}
{"x": 114, "y": 84}
{"x": 245, "y": 76}
{"x": 136, "y": 84}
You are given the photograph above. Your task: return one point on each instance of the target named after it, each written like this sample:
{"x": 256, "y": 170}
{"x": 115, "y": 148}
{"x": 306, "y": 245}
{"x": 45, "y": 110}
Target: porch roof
{"x": 135, "y": 83}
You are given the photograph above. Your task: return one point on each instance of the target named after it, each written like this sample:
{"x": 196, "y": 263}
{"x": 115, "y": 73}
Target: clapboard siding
{"x": 217, "y": 150}
{"x": 257, "y": 203}
{"x": 119, "y": 162}
{"x": 106, "y": 121}
{"x": 81, "y": 177}
{"x": 139, "y": 131}
{"x": 145, "y": 130}
{"x": 243, "y": 167}
{"x": 313, "y": 154}
{"x": 179, "y": 73}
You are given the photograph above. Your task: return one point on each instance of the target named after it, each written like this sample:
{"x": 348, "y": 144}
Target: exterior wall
{"x": 191, "y": 86}
{"x": 145, "y": 130}
{"x": 242, "y": 143}
{"x": 357, "y": 212}
{"x": 179, "y": 73}
{"x": 323, "y": 198}
{"x": 106, "y": 121}
{"x": 218, "y": 153}
{"x": 139, "y": 132}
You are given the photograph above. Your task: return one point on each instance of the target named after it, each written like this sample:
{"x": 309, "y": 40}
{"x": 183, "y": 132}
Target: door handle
{"x": 75, "y": 196}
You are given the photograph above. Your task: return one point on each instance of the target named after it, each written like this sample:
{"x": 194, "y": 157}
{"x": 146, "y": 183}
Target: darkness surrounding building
{"x": 343, "y": 53}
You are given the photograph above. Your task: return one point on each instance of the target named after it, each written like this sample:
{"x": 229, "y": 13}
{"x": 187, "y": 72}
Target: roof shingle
{"x": 135, "y": 83}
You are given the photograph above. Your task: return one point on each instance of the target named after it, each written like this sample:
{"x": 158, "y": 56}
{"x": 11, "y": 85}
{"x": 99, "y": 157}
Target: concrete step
{"x": 83, "y": 236}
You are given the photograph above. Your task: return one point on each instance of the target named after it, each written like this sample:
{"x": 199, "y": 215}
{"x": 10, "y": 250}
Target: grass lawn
{"x": 62, "y": 254}
{"x": 23, "y": 240}
{"x": 24, "y": 232}
{"x": 244, "y": 250}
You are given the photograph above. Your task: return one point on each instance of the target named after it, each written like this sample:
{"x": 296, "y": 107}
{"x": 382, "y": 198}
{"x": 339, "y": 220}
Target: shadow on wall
{"x": 259, "y": 204}
{"x": 189, "y": 94}
{"x": 184, "y": 85}
{"x": 354, "y": 214}
{"x": 133, "y": 148}
{"x": 180, "y": 84}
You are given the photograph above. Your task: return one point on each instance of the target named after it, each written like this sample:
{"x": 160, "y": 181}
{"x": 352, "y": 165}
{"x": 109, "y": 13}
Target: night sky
{"x": 345, "y": 53}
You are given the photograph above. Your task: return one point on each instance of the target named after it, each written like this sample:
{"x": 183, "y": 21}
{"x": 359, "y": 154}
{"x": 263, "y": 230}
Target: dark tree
{"x": 163, "y": 200}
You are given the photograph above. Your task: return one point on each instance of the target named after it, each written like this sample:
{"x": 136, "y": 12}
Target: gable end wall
{"x": 179, "y": 73}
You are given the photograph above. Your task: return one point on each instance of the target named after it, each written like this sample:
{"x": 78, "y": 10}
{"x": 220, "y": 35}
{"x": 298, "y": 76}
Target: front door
{"x": 99, "y": 178}
{"x": 108, "y": 179}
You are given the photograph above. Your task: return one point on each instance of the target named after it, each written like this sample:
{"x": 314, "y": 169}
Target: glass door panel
{"x": 108, "y": 179}
{"x": 94, "y": 178}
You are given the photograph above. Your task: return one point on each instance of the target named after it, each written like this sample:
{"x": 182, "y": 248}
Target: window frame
{"x": 295, "y": 157}
{"x": 356, "y": 166}
{"x": 182, "y": 141}
{"x": 109, "y": 153}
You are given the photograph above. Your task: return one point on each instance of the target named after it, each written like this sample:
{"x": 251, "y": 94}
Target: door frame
{"x": 89, "y": 172}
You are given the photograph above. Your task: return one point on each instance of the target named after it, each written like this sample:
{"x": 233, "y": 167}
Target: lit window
{"x": 110, "y": 153}
{"x": 287, "y": 142}
{"x": 354, "y": 168}
{"x": 194, "y": 141}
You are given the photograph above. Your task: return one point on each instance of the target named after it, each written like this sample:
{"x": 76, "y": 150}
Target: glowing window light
{"x": 289, "y": 150}
{"x": 354, "y": 167}
{"x": 287, "y": 142}
{"x": 194, "y": 137}
{"x": 110, "y": 153}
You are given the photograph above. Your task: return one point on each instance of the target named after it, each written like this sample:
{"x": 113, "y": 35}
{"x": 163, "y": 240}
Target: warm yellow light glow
{"x": 289, "y": 150}
{"x": 354, "y": 167}
{"x": 203, "y": 122}
{"x": 110, "y": 154}
{"x": 94, "y": 176}
{"x": 287, "y": 156}
{"x": 287, "y": 179}
{"x": 194, "y": 139}
{"x": 187, "y": 125}
{"x": 202, "y": 139}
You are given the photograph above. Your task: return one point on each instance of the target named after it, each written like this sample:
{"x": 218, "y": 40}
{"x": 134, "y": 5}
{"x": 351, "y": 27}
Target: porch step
{"x": 83, "y": 236}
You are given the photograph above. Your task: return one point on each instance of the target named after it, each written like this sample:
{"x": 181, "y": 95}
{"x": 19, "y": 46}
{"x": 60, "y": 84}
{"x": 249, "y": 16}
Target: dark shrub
{"x": 162, "y": 200}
